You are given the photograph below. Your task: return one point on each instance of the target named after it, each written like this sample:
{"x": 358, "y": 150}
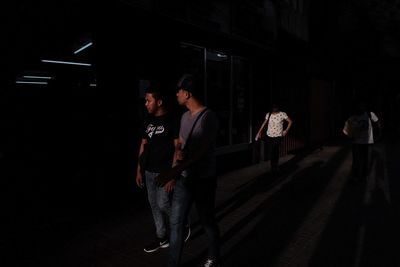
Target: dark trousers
{"x": 273, "y": 144}
{"x": 361, "y": 160}
{"x": 202, "y": 194}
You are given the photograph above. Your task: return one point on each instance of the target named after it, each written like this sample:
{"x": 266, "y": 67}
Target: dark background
{"x": 69, "y": 151}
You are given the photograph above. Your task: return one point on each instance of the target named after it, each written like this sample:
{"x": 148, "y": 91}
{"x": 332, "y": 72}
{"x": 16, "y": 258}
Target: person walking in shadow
{"x": 359, "y": 127}
{"x": 274, "y": 125}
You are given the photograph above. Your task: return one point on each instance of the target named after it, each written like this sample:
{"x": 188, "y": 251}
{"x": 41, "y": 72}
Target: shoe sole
{"x": 164, "y": 245}
{"x": 151, "y": 250}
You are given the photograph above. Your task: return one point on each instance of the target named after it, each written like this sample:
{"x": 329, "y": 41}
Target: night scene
{"x": 241, "y": 133}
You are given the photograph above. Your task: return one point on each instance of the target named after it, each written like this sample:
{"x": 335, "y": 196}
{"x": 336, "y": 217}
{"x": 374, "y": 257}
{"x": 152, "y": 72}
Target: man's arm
{"x": 205, "y": 142}
{"x": 177, "y": 151}
{"x": 378, "y": 127}
{"x": 139, "y": 178}
{"x": 195, "y": 156}
{"x": 170, "y": 185}
{"x": 347, "y": 129}
{"x": 173, "y": 173}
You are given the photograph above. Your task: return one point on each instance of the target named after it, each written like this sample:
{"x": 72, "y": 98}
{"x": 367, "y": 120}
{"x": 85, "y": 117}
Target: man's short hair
{"x": 190, "y": 83}
{"x": 155, "y": 91}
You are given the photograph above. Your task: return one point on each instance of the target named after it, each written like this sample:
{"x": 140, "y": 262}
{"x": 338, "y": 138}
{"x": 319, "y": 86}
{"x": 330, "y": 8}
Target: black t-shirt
{"x": 160, "y": 133}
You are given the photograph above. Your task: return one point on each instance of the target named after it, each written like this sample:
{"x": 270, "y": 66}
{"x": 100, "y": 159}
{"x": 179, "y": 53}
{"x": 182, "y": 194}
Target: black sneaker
{"x": 155, "y": 245}
{"x": 187, "y": 232}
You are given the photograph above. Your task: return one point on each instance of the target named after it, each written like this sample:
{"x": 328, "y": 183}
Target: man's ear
{"x": 159, "y": 103}
{"x": 188, "y": 95}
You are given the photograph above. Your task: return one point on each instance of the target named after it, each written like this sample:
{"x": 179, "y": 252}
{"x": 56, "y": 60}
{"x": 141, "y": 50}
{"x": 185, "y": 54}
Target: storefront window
{"x": 241, "y": 101}
{"x": 219, "y": 93}
{"x": 227, "y": 85}
{"x": 192, "y": 61}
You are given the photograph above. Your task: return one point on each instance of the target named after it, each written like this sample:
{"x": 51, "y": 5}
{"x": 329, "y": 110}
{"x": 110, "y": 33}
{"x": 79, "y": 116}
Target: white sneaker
{"x": 210, "y": 263}
{"x": 156, "y": 244}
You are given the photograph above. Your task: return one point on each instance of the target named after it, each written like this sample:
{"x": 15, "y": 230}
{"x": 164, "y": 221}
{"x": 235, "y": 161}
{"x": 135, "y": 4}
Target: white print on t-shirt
{"x": 151, "y": 129}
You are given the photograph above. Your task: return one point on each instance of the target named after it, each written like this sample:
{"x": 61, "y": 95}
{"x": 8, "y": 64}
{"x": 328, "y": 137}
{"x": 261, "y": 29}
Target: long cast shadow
{"x": 280, "y": 215}
{"x": 363, "y": 227}
{"x": 259, "y": 184}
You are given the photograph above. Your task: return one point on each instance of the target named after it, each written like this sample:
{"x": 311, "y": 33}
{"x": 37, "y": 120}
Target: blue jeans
{"x": 160, "y": 204}
{"x": 202, "y": 193}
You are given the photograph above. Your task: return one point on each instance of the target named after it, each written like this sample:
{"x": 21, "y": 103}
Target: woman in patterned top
{"x": 273, "y": 135}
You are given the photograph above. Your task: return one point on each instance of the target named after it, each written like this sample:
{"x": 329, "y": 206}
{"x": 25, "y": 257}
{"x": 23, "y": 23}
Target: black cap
{"x": 186, "y": 82}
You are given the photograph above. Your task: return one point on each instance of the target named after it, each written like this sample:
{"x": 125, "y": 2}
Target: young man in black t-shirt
{"x": 160, "y": 136}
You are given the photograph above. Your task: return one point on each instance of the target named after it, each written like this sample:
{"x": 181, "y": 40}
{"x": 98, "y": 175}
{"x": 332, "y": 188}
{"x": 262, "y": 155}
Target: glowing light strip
{"x": 37, "y": 77}
{"x": 66, "y": 62}
{"x": 83, "y": 47}
{"x": 29, "y": 82}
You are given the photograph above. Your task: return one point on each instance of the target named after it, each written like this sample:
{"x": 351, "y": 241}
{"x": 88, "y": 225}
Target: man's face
{"x": 150, "y": 103}
{"x": 182, "y": 96}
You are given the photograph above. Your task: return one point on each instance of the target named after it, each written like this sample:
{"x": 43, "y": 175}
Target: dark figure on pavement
{"x": 195, "y": 176}
{"x": 157, "y": 153}
{"x": 359, "y": 127}
{"x": 274, "y": 122}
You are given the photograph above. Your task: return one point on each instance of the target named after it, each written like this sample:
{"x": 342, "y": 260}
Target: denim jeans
{"x": 202, "y": 194}
{"x": 160, "y": 204}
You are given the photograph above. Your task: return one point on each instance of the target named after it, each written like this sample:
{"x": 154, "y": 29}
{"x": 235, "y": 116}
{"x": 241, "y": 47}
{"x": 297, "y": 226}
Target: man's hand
{"x": 284, "y": 133}
{"x": 139, "y": 180}
{"x": 179, "y": 155}
{"x": 169, "y": 186}
{"x": 165, "y": 177}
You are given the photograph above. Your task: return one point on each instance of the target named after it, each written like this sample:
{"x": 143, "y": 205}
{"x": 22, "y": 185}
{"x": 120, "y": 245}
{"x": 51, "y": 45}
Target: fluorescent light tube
{"x": 37, "y": 77}
{"x": 83, "y": 47}
{"x": 31, "y": 82}
{"x": 66, "y": 62}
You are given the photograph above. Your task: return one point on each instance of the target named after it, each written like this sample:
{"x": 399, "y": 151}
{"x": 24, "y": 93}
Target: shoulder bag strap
{"x": 194, "y": 124}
